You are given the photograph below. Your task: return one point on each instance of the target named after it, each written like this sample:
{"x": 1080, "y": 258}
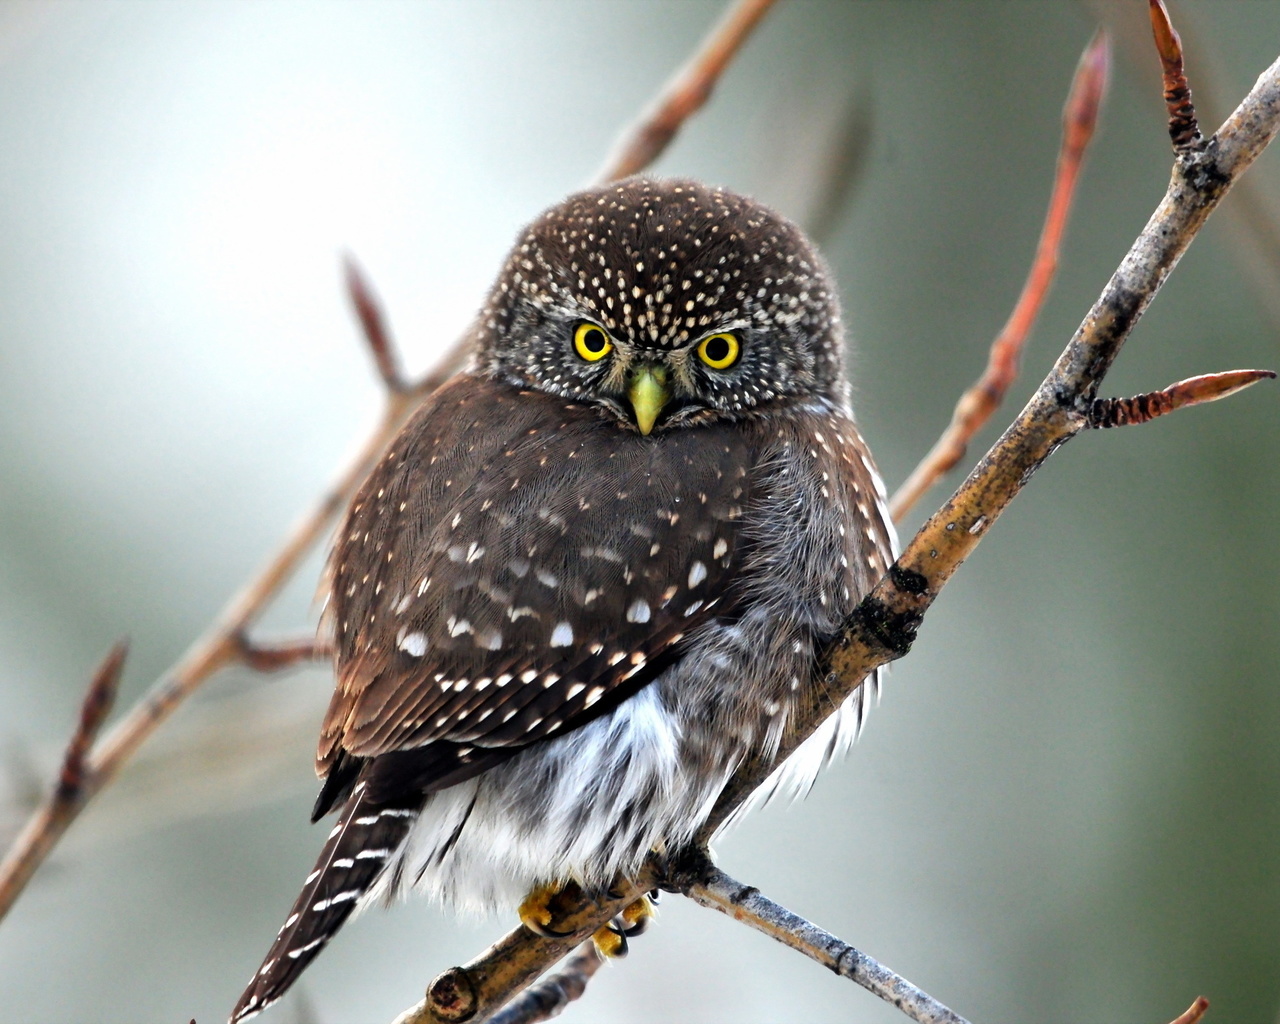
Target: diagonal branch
{"x": 746, "y": 904}
{"x": 884, "y": 625}
{"x": 976, "y": 406}
{"x": 40, "y": 834}
{"x": 686, "y": 93}
{"x": 548, "y": 998}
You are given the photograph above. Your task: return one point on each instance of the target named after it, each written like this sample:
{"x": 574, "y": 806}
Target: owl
{"x": 594, "y": 574}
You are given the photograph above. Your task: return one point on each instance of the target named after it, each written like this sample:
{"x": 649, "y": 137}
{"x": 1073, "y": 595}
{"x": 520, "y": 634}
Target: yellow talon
{"x": 610, "y": 944}
{"x": 611, "y": 940}
{"x": 536, "y": 913}
{"x": 638, "y": 915}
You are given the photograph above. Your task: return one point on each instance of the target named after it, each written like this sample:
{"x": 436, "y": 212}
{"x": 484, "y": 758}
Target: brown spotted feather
{"x": 502, "y": 605}
{"x": 558, "y": 638}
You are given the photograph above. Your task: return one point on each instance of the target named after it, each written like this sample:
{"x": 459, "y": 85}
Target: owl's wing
{"x": 516, "y": 564}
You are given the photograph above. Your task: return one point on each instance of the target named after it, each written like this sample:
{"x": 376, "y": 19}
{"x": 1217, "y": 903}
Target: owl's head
{"x": 665, "y": 303}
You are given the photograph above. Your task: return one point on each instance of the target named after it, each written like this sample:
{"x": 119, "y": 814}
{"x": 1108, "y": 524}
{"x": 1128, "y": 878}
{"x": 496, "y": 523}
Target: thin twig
{"x": 1183, "y": 129}
{"x": 376, "y": 333}
{"x": 74, "y": 779}
{"x": 1251, "y": 217}
{"x": 94, "y": 709}
{"x": 549, "y": 997}
{"x": 1193, "y": 1013}
{"x": 839, "y": 169}
{"x": 885, "y": 623}
{"x": 976, "y": 406}
{"x": 1123, "y": 412}
{"x": 685, "y": 94}
{"x": 746, "y": 904}
{"x": 271, "y": 656}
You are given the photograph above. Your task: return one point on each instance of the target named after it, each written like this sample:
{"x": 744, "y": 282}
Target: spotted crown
{"x": 661, "y": 265}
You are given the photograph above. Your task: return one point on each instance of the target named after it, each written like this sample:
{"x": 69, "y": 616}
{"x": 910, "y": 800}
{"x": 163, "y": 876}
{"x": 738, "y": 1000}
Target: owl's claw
{"x": 610, "y": 943}
{"x": 635, "y": 919}
{"x": 611, "y": 940}
{"x": 537, "y": 914}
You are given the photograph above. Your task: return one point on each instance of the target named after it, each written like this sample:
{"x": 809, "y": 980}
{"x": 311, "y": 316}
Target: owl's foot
{"x": 538, "y": 912}
{"x": 547, "y": 905}
{"x": 611, "y": 940}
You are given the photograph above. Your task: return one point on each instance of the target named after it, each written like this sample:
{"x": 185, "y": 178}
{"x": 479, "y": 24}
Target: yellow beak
{"x": 648, "y": 392}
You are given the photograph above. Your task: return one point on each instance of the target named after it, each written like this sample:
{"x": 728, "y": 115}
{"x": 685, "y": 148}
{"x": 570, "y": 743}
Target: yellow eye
{"x": 719, "y": 351}
{"x": 590, "y": 342}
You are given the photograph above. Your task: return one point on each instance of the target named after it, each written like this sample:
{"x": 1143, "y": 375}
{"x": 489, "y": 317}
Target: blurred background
{"x": 1066, "y": 808}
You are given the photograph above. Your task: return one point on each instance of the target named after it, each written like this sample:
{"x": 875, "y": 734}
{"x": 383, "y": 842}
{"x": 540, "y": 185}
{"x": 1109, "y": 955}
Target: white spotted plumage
{"x": 557, "y": 636}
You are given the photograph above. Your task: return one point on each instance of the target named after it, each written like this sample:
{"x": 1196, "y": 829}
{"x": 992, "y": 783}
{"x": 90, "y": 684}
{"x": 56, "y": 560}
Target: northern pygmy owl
{"x": 590, "y": 577}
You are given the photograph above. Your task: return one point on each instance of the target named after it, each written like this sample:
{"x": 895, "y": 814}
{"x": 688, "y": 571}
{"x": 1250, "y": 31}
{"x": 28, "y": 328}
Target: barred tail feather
{"x": 362, "y": 843}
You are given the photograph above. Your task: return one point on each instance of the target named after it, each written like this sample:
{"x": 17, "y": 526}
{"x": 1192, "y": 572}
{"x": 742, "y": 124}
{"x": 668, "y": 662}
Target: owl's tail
{"x": 356, "y": 853}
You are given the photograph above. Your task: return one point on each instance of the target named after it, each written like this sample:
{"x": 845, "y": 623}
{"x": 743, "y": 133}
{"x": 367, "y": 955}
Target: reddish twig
{"x": 1122, "y": 412}
{"x": 1194, "y": 1012}
{"x": 685, "y": 94}
{"x": 374, "y": 325}
{"x": 1183, "y": 129}
{"x": 274, "y": 655}
{"x": 74, "y": 780}
{"x": 94, "y": 709}
{"x": 976, "y": 406}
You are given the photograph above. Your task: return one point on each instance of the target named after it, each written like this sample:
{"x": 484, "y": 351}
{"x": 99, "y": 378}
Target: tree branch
{"x": 1123, "y": 412}
{"x": 42, "y": 831}
{"x": 690, "y": 88}
{"x": 376, "y": 333}
{"x": 1183, "y": 129}
{"x": 976, "y": 406}
{"x": 746, "y": 904}
{"x": 884, "y": 625}
{"x": 548, "y": 998}
{"x": 277, "y": 654}
{"x": 1194, "y": 1013}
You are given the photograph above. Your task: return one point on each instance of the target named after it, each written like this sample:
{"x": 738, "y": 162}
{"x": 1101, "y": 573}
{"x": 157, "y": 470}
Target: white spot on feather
{"x": 562, "y": 635}
{"x": 413, "y": 644}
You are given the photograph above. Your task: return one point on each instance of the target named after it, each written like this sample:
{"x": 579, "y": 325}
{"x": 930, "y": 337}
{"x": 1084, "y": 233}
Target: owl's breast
{"x": 516, "y": 559}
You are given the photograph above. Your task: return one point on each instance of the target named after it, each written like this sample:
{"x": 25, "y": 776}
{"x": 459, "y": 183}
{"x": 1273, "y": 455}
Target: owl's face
{"x": 665, "y": 303}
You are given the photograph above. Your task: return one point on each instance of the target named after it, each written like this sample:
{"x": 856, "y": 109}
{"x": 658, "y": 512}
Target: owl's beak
{"x": 648, "y": 392}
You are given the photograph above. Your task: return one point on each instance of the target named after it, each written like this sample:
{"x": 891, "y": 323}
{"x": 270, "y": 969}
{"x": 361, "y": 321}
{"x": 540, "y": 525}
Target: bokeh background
{"x": 1067, "y": 807}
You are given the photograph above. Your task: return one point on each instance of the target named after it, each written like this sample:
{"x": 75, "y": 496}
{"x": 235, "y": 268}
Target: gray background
{"x": 1067, "y": 807}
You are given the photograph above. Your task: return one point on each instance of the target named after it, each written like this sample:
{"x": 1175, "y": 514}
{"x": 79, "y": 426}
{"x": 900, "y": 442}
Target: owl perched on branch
{"x": 593, "y": 575}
